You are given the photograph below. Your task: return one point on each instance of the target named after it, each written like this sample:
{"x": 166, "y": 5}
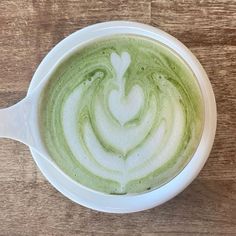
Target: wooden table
{"x": 29, "y": 205}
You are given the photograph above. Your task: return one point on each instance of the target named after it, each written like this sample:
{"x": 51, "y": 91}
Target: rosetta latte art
{"x": 122, "y": 115}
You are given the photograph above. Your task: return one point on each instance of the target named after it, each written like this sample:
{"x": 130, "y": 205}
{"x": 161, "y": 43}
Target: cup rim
{"x": 130, "y": 203}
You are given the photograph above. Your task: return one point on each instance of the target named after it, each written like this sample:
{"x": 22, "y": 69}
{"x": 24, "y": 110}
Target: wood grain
{"x": 29, "y": 205}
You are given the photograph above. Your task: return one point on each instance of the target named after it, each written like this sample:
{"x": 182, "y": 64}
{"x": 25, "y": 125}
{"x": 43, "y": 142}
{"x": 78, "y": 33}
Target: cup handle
{"x": 15, "y": 122}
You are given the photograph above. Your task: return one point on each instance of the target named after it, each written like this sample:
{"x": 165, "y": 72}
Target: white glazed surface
{"x": 130, "y": 203}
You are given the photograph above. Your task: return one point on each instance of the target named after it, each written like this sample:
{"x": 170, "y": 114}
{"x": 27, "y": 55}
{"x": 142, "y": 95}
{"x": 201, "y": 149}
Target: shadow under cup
{"x": 183, "y": 110}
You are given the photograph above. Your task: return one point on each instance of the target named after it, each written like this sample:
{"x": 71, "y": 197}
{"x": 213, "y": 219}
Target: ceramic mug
{"x": 11, "y": 117}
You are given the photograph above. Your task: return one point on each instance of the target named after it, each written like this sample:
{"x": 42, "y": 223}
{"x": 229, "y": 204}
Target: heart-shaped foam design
{"x": 124, "y": 108}
{"x": 120, "y": 63}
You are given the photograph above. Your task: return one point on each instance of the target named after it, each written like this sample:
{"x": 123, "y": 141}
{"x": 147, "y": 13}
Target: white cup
{"x": 131, "y": 202}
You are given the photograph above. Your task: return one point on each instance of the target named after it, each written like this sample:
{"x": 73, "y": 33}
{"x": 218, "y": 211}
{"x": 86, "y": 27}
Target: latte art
{"x": 122, "y": 115}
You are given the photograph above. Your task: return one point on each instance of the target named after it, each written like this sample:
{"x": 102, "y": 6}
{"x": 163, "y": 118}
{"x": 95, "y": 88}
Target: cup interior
{"x": 129, "y": 203}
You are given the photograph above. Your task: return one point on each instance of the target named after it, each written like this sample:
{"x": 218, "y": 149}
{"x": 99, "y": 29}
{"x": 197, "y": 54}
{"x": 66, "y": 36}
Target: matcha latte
{"x": 122, "y": 114}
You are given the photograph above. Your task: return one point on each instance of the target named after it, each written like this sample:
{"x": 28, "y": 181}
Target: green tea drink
{"x": 122, "y": 114}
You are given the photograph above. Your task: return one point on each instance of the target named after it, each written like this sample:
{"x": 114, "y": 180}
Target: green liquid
{"x": 122, "y": 115}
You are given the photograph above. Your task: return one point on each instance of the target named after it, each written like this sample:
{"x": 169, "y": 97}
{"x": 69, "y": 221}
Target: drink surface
{"x": 122, "y": 114}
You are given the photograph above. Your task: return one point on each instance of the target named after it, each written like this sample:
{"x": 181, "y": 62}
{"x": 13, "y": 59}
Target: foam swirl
{"x": 123, "y": 114}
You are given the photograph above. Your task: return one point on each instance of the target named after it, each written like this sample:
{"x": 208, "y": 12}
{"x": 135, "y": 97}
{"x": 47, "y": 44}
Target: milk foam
{"x": 117, "y": 123}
